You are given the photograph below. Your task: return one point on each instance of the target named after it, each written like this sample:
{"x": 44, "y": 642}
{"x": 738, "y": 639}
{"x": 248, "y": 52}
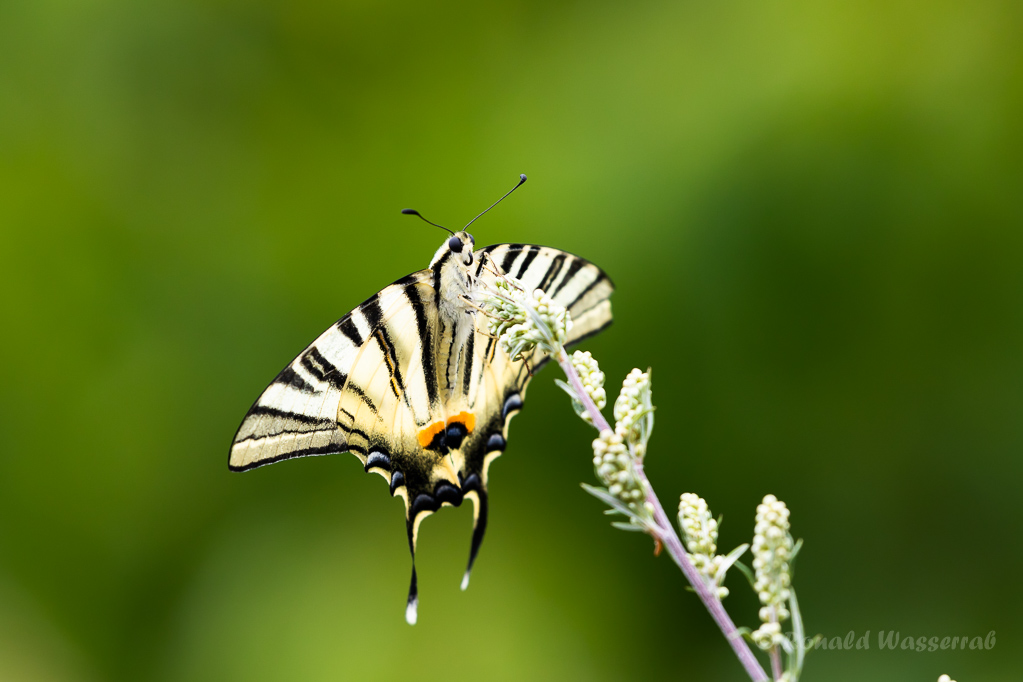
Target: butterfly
{"x": 412, "y": 384}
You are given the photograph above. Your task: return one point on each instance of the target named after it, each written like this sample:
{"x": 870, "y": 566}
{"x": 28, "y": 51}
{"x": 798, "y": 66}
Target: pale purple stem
{"x": 776, "y": 662}
{"x": 667, "y": 535}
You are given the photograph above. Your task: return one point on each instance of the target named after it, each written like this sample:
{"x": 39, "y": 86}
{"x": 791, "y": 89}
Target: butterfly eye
{"x": 455, "y": 244}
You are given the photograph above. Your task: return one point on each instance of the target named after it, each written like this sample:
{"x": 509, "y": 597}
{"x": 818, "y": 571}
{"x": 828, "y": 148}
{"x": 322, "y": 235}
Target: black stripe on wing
{"x": 304, "y": 452}
{"x": 469, "y": 357}
{"x": 362, "y": 396}
{"x": 348, "y": 328}
{"x": 510, "y": 255}
{"x": 527, "y": 261}
{"x": 589, "y": 287}
{"x": 521, "y": 261}
{"x": 282, "y": 414}
{"x": 289, "y": 377}
{"x": 425, "y": 341}
{"x": 552, "y": 272}
{"x": 321, "y": 368}
{"x": 574, "y": 267}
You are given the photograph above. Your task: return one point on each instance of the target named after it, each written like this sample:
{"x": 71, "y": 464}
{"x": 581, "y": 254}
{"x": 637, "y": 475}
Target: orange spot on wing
{"x": 468, "y": 419}
{"x": 426, "y": 435}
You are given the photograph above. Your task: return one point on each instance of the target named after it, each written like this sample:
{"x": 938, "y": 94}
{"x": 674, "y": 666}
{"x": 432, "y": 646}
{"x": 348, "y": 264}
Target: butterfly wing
{"x": 573, "y": 282}
{"x": 368, "y": 386}
{"x": 493, "y": 385}
{"x": 300, "y": 413}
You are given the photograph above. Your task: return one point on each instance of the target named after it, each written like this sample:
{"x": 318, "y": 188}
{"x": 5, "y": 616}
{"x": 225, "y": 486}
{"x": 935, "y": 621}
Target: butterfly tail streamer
{"x": 412, "y": 606}
{"x": 480, "y": 506}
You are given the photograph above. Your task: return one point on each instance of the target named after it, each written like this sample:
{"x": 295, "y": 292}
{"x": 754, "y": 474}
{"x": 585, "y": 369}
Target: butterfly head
{"x": 453, "y": 269}
{"x": 460, "y": 244}
{"x": 455, "y": 251}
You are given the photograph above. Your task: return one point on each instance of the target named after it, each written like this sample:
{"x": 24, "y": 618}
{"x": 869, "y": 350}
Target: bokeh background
{"x": 813, "y": 214}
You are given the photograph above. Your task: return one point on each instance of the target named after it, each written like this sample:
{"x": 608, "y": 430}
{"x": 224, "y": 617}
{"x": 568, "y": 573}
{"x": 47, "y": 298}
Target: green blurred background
{"x": 813, "y": 214}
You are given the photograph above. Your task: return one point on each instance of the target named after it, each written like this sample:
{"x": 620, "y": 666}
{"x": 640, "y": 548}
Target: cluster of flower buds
{"x": 618, "y": 453}
{"x": 700, "y": 528}
{"x": 613, "y": 465}
{"x": 593, "y": 383}
{"x": 700, "y": 534}
{"x": 772, "y": 552}
{"x": 523, "y": 320}
{"x": 634, "y": 411}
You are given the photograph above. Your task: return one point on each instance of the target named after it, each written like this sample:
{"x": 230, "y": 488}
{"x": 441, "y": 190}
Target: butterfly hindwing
{"x": 494, "y": 385}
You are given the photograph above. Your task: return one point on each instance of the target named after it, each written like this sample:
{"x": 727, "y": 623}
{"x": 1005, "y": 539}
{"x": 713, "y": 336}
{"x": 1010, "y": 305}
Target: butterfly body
{"x": 411, "y": 384}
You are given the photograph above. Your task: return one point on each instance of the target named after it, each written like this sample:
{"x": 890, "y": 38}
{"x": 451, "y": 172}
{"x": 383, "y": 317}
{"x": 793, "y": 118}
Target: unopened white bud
{"x": 772, "y": 551}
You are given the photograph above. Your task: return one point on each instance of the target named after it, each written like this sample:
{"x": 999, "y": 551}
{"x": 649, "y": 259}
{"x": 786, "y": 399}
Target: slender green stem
{"x": 665, "y": 532}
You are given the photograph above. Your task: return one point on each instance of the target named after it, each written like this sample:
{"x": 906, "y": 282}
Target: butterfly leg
{"x": 468, "y": 302}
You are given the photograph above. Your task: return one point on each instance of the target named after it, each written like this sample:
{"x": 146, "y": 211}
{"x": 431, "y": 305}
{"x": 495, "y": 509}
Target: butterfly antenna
{"x": 522, "y": 179}
{"x": 412, "y": 211}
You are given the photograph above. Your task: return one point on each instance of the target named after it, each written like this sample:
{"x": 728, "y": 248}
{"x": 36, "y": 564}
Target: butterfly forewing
{"x": 573, "y": 282}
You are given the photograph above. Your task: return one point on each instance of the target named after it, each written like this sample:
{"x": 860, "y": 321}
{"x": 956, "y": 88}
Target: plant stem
{"x": 667, "y": 535}
{"x": 776, "y": 662}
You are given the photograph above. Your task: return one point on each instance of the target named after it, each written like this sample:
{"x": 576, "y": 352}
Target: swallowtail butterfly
{"x": 411, "y": 383}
